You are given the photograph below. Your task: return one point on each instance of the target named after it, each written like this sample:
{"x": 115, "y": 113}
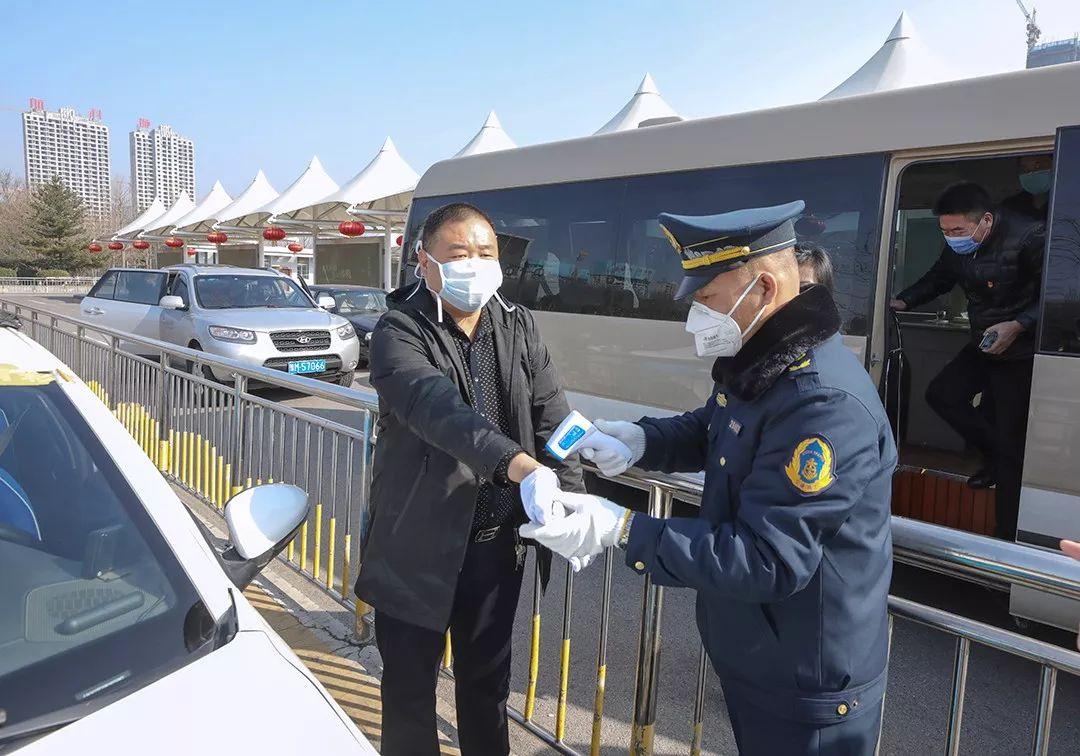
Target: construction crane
{"x": 1033, "y": 30}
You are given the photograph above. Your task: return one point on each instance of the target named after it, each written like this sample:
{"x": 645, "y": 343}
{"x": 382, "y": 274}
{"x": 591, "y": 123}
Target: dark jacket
{"x": 1001, "y": 280}
{"x": 791, "y": 554}
{"x": 433, "y": 450}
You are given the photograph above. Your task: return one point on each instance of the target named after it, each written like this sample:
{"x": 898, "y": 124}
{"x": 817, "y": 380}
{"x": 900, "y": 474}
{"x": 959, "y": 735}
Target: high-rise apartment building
{"x": 162, "y": 165}
{"x": 73, "y": 148}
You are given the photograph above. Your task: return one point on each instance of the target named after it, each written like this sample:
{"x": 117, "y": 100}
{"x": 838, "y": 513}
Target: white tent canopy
{"x": 645, "y": 105}
{"x": 258, "y": 193}
{"x": 489, "y": 138}
{"x": 902, "y": 61}
{"x": 146, "y": 218}
{"x": 386, "y": 183}
{"x": 203, "y": 216}
{"x": 296, "y": 201}
{"x": 163, "y": 226}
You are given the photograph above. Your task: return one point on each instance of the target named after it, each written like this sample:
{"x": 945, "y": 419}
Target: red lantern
{"x": 174, "y": 242}
{"x": 399, "y": 241}
{"x": 351, "y": 228}
{"x": 95, "y": 247}
{"x": 217, "y": 237}
{"x": 296, "y": 247}
{"x": 141, "y": 245}
{"x": 273, "y": 234}
{"x": 116, "y": 246}
{"x": 191, "y": 251}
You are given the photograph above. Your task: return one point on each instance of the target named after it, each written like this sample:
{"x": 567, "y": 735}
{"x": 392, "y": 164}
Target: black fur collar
{"x": 803, "y": 323}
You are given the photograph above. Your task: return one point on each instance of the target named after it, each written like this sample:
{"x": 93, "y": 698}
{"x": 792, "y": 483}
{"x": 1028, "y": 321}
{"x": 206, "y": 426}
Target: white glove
{"x": 591, "y": 526}
{"x": 538, "y": 491}
{"x": 614, "y": 445}
{"x": 577, "y": 564}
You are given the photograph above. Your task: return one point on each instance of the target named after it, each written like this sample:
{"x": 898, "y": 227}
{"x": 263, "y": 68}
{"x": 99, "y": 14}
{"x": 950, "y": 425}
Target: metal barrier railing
{"x": 214, "y": 440}
{"x": 68, "y": 285}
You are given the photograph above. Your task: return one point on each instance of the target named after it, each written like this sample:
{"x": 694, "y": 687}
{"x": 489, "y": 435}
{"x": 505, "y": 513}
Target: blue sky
{"x": 268, "y": 84}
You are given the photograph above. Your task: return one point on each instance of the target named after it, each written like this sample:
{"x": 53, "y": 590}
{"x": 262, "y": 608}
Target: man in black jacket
{"x": 996, "y": 258}
{"x": 467, "y": 395}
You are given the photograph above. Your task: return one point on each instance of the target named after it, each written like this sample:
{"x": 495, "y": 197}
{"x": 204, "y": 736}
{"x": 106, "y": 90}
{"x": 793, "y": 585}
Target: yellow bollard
{"x": 534, "y": 667}
{"x": 248, "y": 483}
{"x": 183, "y": 457}
{"x": 196, "y": 480}
{"x": 598, "y": 710}
{"x": 164, "y": 456}
{"x": 221, "y": 477}
{"x": 205, "y": 489}
{"x": 345, "y": 563}
{"x": 303, "y": 547}
{"x": 211, "y": 480}
{"x": 564, "y": 678}
{"x": 448, "y": 653}
{"x": 318, "y": 540}
{"x": 174, "y": 453}
{"x": 330, "y": 558}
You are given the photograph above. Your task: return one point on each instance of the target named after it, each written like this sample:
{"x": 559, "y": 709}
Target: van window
{"x": 843, "y": 200}
{"x": 141, "y": 287}
{"x": 596, "y": 247}
{"x": 1061, "y": 293}
{"x": 105, "y": 286}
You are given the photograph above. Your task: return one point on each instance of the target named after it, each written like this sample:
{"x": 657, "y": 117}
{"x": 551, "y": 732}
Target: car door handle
{"x": 95, "y": 311}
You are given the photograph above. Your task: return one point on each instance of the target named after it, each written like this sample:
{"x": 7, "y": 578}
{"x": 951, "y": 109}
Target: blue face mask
{"x": 1036, "y": 182}
{"x": 964, "y": 245}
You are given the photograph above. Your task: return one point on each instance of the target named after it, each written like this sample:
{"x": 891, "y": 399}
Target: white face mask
{"x": 468, "y": 284}
{"x": 716, "y": 334}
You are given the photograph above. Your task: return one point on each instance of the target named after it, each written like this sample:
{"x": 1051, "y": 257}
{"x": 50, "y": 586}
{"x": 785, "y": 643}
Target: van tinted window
{"x": 105, "y": 286}
{"x": 596, "y": 247}
{"x": 141, "y": 287}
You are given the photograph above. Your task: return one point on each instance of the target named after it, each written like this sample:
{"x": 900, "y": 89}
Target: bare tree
{"x": 14, "y": 217}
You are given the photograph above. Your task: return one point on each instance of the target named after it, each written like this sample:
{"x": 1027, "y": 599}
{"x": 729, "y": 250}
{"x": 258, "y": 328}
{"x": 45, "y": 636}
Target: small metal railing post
{"x": 77, "y": 353}
{"x": 648, "y": 659}
{"x": 959, "y": 688}
{"x": 1040, "y": 745}
{"x": 237, "y": 430}
{"x": 110, "y": 378}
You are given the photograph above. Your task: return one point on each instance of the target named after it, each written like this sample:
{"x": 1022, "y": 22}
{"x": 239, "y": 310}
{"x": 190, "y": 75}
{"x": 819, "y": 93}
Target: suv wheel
{"x": 205, "y": 371}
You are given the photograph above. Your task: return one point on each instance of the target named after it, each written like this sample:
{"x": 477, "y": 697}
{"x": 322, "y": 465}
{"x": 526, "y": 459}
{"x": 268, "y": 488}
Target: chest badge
{"x": 810, "y": 469}
{"x": 721, "y": 399}
{"x": 734, "y": 426}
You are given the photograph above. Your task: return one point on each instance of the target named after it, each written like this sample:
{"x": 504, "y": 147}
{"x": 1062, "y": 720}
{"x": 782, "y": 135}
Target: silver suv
{"x": 254, "y": 315}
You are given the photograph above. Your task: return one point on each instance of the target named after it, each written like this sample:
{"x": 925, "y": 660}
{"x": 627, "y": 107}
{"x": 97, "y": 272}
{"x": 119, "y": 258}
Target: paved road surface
{"x": 1001, "y": 695}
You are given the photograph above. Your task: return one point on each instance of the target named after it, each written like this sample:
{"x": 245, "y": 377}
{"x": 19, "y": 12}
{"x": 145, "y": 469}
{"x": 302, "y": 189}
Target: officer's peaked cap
{"x": 712, "y": 244}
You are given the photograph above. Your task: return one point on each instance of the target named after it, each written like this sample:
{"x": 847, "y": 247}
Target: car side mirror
{"x": 326, "y": 302}
{"x": 171, "y": 302}
{"x": 262, "y": 521}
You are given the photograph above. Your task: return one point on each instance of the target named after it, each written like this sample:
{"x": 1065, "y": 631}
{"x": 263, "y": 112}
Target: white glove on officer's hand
{"x": 538, "y": 491}
{"x": 614, "y": 446}
{"x": 591, "y": 526}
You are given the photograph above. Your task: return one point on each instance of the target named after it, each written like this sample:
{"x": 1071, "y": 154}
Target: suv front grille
{"x": 300, "y": 341}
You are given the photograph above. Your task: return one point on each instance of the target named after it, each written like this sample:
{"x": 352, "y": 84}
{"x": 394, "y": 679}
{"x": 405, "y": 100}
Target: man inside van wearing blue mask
{"x": 1034, "y": 175}
{"x": 468, "y": 397}
{"x": 996, "y": 258}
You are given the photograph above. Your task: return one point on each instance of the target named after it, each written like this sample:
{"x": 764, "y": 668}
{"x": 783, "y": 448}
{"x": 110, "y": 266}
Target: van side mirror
{"x": 326, "y": 302}
{"x": 171, "y": 302}
{"x": 262, "y": 521}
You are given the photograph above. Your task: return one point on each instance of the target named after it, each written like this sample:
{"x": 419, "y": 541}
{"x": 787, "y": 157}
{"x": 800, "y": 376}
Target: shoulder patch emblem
{"x": 799, "y": 365}
{"x": 721, "y": 399}
{"x": 810, "y": 468}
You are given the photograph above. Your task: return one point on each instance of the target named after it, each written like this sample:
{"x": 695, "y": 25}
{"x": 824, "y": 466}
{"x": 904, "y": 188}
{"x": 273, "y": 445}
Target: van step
{"x": 943, "y": 498}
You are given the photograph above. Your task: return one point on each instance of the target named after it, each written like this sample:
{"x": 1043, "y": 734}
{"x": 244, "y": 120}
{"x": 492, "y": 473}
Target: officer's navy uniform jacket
{"x": 791, "y": 556}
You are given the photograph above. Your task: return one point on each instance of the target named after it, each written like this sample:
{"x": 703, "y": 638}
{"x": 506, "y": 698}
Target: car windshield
{"x": 352, "y": 302}
{"x": 93, "y": 604}
{"x": 221, "y": 292}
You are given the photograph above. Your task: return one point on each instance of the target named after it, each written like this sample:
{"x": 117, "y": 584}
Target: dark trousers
{"x": 761, "y": 733}
{"x": 998, "y": 430}
{"x": 481, "y": 624}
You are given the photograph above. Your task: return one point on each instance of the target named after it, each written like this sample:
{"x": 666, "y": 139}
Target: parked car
{"x": 360, "y": 305}
{"x": 124, "y": 629}
{"x": 254, "y": 315}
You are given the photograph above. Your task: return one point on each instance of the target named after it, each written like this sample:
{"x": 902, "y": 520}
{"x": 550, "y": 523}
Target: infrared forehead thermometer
{"x": 569, "y": 435}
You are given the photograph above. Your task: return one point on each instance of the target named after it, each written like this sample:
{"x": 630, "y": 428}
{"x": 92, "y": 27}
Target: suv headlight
{"x": 235, "y": 335}
{"x": 346, "y": 331}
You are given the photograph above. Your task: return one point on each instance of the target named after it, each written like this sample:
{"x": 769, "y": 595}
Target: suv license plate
{"x": 307, "y": 366}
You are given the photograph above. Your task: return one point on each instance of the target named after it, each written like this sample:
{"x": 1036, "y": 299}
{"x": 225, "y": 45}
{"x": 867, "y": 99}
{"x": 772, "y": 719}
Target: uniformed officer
{"x": 791, "y": 555}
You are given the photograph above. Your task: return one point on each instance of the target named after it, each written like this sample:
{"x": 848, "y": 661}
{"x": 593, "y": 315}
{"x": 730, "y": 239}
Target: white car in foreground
{"x": 121, "y": 631}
